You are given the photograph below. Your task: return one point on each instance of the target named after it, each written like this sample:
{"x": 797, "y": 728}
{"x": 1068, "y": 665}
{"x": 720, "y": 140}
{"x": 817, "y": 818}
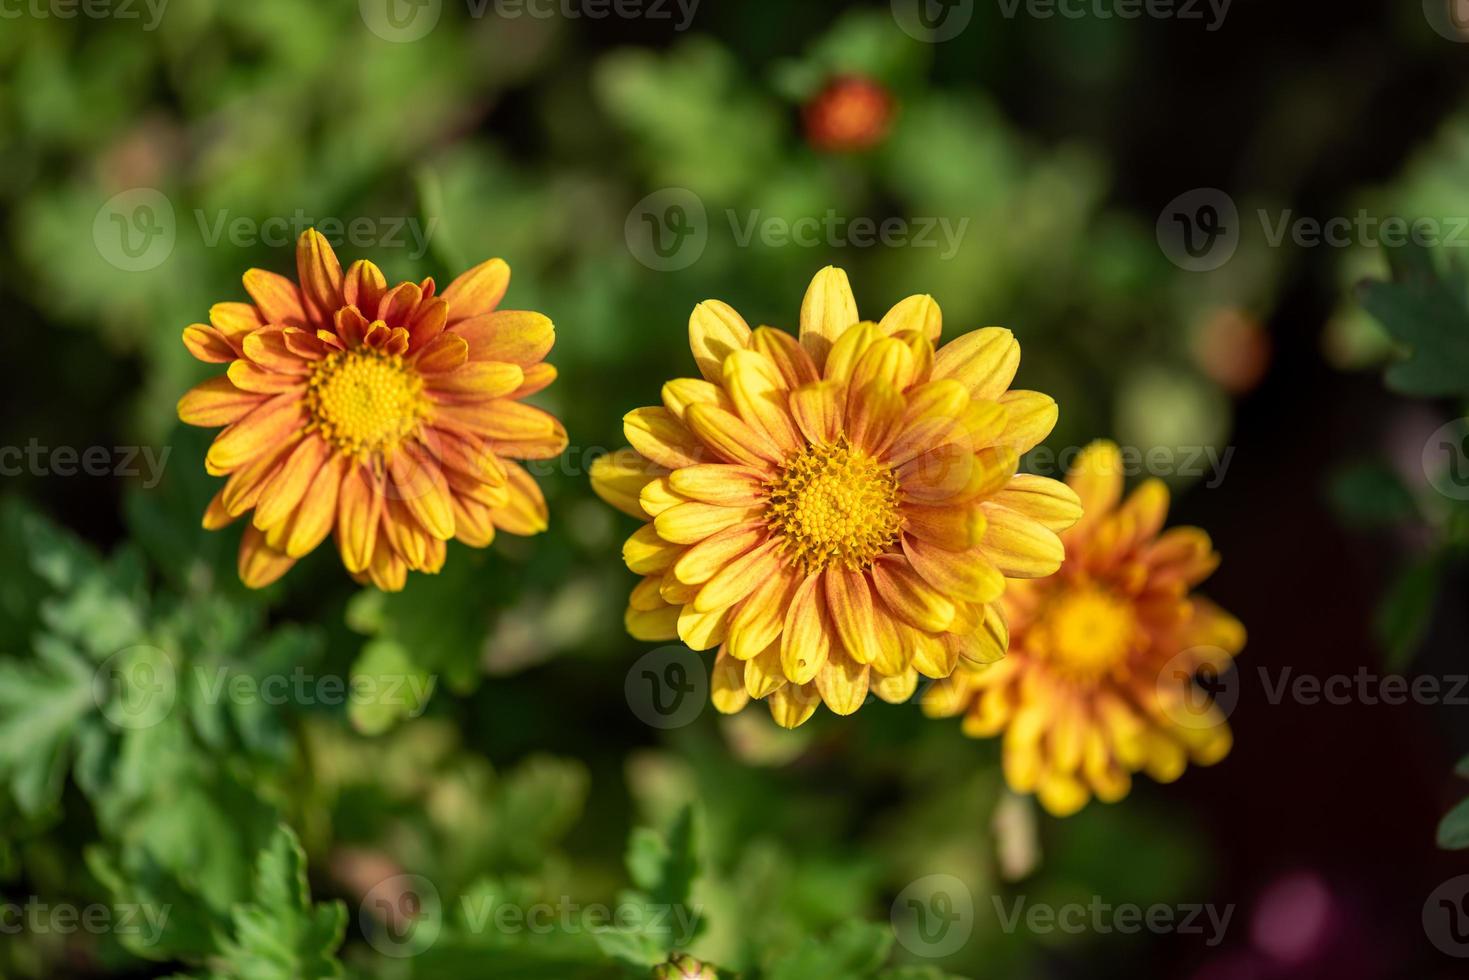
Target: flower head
{"x": 837, "y": 514}
{"x": 850, "y": 114}
{"x": 684, "y": 968}
{"x": 384, "y": 416}
{"x": 1099, "y": 682}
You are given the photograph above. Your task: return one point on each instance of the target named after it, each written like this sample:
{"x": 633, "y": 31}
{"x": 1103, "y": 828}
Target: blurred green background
{"x": 152, "y": 154}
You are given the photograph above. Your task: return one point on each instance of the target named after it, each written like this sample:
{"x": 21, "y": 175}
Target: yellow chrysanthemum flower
{"x": 1099, "y": 682}
{"x": 838, "y": 514}
{"x": 384, "y": 415}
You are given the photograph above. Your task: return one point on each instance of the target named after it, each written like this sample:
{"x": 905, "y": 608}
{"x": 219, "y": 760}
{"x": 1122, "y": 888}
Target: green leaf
{"x": 855, "y": 949}
{"x": 42, "y": 703}
{"x": 1453, "y": 832}
{"x": 1405, "y": 612}
{"x": 281, "y": 934}
{"x": 1371, "y": 494}
{"x": 391, "y": 687}
{"x": 1428, "y": 312}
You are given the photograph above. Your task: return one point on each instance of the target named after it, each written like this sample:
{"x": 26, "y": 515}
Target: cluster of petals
{"x": 388, "y": 418}
{"x": 837, "y": 513}
{"x": 1101, "y": 681}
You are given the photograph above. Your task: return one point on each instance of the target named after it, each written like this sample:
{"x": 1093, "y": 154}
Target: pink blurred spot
{"x": 1292, "y": 918}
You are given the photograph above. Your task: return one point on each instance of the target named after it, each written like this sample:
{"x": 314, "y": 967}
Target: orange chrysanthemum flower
{"x": 1099, "y": 682}
{"x": 383, "y": 415}
{"x": 838, "y": 514}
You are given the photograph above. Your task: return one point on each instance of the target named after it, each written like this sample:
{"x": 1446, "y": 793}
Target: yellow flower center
{"x": 364, "y": 401}
{"x": 1086, "y": 632}
{"x": 834, "y": 503}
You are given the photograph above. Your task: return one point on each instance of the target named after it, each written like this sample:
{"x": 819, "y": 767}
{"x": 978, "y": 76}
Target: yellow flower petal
{"x": 827, "y": 312}
{"x": 715, "y": 332}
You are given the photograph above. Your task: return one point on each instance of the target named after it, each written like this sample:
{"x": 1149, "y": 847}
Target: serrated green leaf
{"x": 281, "y": 934}
{"x": 1428, "y": 312}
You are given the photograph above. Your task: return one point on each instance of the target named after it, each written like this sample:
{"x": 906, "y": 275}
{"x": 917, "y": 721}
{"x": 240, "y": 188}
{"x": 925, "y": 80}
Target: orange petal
{"x": 760, "y": 396}
{"x": 658, "y": 435}
{"x": 277, "y": 298}
{"x": 730, "y": 439}
{"x": 715, "y": 332}
{"x": 758, "y": 621}
{"x": 805, "y": 642}
{"x": 1030, "y": 417}
{"x": 538, "y": 377}
{"x": 209, "y": 345}
{"x": 909, "y": 596}
{"x": 727, "y": 684}
{"x": 364, "y": 286}
{"x": 725, "y": 484}
{"x": 619, "y": 478}
{"x": 874, "y": 416}
{"x": 281, "y": 495}
{"x": 849, "y": 600}
{"x": 827, "y": 312}
{"x": 418, "y": 482}
{"x": 1057, "y": 506}
{"x": 680, "y": 393}
{"x": 514, "y": 336}
{"x": 444, "y": 353}
{"x": 843, "y": 684}
{"x": 984, "y": 361}
{"x": 1019, "y": 546}
{"x": 270, "y": 424}
{"x": 1096, "y": 476}
{"x": 917, "y": 313}
{"x": 359, "y": 514}
{"x": 786, "y": 353}
{"x": 739, "y": 578}
{"x": 477, "y": 291}
{"x": 525, "y": 513}
{"x": 318, "y": 509}
{"x": 952, "y": 475}
{"x": 965, "y": 575}
{"x": 259, "y": 564}
{"x": 320, "y": 275}
{"x": 477, "y": 381}
{"x": 217, "y": 402}
{"x": 267, "y": 348}
{"x": 954, "y": 528}
{"x": 818, "y": 410}
{"x": 794, "y": 704}
{"x": 692, "y": 522}
{"x": 234, "y": 320}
